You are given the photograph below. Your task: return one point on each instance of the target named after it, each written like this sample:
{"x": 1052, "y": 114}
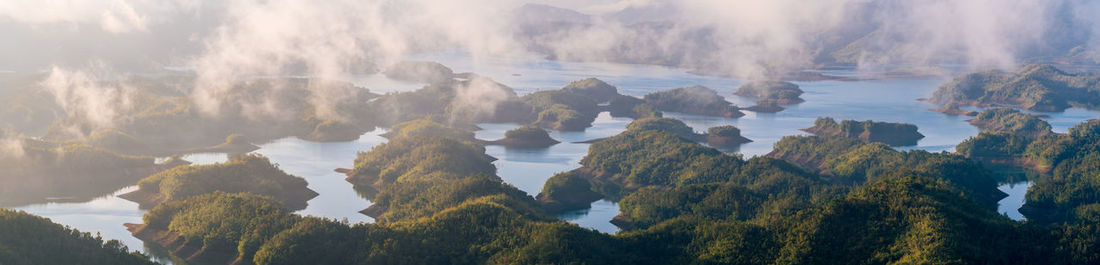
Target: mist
{"x": 224, "y": 43}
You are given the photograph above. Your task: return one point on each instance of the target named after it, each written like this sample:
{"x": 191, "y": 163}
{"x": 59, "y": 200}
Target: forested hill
{"x": 31, "y": 240}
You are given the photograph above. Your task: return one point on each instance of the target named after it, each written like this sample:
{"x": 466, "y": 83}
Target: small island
{"x": 35, "y": 171}
{"x": 893, "y": 134}
{"x": 243, "y": 173}
{"x": 525, "y": 137}
{"x": 669, "y": 125}
{"x": 954, "y": 109}
{"x": 765, "y": 106}
{"x": 562, "y": 110}
{"x": 567, "y": 191}
{"x": 1012, "y": 121}
{"x": 725, "y": 136}
{"x": 698, "y": 100}
{"x": 419, "y": 71}
{"x": 593, "y": 88}
{"x": 782, "y": 92}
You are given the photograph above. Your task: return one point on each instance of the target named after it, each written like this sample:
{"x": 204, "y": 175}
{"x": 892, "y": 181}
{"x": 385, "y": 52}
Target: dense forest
{"x": 894, "y": 134}
{"x": 838, "y": 200}
{"x": 242, "y": 173}
{"x": 36, "y": 169}
{"x": 1032, "y": 87}
{"x": 780, "y": 92}
{"x": 1011, "y": 121}
{"x": 27, "y": 239}
{"x": 839, "y": 197}
{"x": 699, "y": 100}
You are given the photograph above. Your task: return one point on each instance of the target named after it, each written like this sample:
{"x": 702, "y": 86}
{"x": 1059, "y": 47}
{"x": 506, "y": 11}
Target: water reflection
{"x": 315, "y": 162}
{"x": 1010, "y": 205}
{"x": 528, "y": 168}
{"x": 597, "y": 217}
{"x": 104, "y": 215}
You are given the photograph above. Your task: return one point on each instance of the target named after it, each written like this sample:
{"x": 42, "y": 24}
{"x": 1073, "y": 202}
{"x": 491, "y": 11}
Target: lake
{"x": 892, "y": 100}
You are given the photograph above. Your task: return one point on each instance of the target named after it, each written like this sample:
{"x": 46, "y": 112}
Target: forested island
{"x": 103, "y": 102}
{"x": 526, "y": 137}
{"x": 894, "y": 134}
{"x": 1033, "y": 87}
{"x": 816, "y": 199}
{"x": 781, "y": 92}
{"x": 36, "y": 170}
{"x": 765, "y": 106}
{"x": 699, "y": 100}
{"x": 242, "y": 173}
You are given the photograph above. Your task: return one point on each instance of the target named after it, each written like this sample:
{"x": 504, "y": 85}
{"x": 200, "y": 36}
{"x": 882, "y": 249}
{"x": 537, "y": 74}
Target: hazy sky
{"x": 241, "y": 37}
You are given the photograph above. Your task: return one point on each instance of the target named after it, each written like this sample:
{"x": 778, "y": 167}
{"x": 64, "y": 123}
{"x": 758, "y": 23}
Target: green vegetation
{"x": 909, "y": 220}
{"x": 1072, "y": 185}
{"x": 632, "y": 107}
{"x": 894, "y": 134}
{"x": 725, "y": 136}
{"x": 850, "y": 161}
{"x": 717, "y": 202}
{"x": 419, "y": 157}
{"x": 698, "y": 100}
{"x": 993, "y": 145}
{"x": 411, "y": 200}
{"x": 593, "y": 88}
{"x": 416, "y": 175}
{"x": 217, "y": 227}
{"x": 567, "y": 191}
{"x": 427, "y": 127}
{"x": 161, "y": 120}
{"x": 668, "y": 125}
{"x": 28, "y": 239}
{"x": 251, "y": 173}
{"x": 1032, "y": 87}
{"x": 781, "y": 92}
{"x": 765, "y": 106}
{"x": 1012, "y": 121}
{"x": 526, "y": 137}
{"x": 635, "y": 159}
{"x": 693, "y": 100}
{"x": 563, "y": 110}
{"x": 35, "y": 170}
{"x": 681, "y": 203}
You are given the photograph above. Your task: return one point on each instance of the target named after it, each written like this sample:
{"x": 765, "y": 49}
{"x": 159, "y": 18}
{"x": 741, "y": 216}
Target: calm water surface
{"x": 892, "y": 100}
{"x": 1010, "y": 206}
{"x": 312, "y": 161}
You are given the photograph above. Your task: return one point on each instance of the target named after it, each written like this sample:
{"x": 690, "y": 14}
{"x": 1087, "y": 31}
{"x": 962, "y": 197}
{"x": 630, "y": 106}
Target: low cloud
{"x": 94, "y": 99}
